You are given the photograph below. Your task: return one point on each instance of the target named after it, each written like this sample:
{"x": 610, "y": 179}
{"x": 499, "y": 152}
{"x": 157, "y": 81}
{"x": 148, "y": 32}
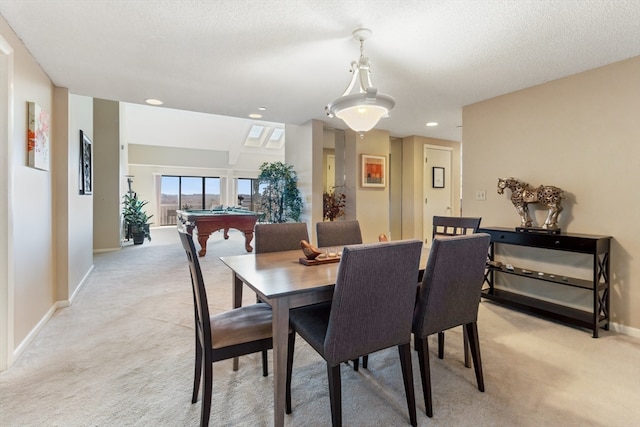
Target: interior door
{"x": 330, "y": 173}
{"x": 438, "y": 188}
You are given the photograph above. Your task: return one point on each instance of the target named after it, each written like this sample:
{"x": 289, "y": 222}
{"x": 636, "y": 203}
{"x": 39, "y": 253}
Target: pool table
{"x": 208, "y": 221}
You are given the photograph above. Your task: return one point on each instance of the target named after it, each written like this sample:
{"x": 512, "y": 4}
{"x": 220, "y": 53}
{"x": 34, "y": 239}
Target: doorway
{"x": 437, "y": 187}
{"x": 330, "y": 173}
{"x": 6, "y": 222}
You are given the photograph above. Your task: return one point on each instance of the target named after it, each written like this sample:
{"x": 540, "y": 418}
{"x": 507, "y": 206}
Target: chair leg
{"x": 466, "y": 349}
{"x": 356, "y": 364}
{"x": 441, "y": 345}
{"x": 404, "y": 351}
{"x": 335, "y": 394}
{"x": 265, "y": 364}
{"x": 206, "y": 392}
{"x": 425, "y": 374}
{"x": 290, "y": 349}
{"x": 474, "y": 343}
{"x": 197, "y": 371}
{"x": 365, "y": 361}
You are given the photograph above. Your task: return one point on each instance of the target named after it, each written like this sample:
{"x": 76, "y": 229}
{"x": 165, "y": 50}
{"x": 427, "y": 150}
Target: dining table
{"x": 282, "y": 281}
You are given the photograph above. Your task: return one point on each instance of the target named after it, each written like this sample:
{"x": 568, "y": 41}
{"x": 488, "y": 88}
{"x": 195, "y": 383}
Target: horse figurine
{"x": 522, "y": 194}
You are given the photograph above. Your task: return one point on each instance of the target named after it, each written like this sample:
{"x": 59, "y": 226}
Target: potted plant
{"x": 281, "y": 199}
{"x": 136, "y": 218}
{"x": 333, "y": 205}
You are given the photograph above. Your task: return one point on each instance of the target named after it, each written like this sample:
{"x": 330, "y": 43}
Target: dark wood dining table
{"x": 280, "y": 280}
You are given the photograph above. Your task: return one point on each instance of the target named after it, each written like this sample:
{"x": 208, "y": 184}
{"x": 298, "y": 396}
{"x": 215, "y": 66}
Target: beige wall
{"x": 371, "y": 203}
{"x": 73, "y": 220}
{"x": 580, "y": 133}
{"x": 31, "y": 202}
{"x": 413, "y": 182}
{"x": 49, "y": 238}
{"x": 107, "y": 177}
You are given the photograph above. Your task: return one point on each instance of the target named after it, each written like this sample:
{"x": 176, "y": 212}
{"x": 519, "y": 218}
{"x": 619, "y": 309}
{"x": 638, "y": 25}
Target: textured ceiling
{"x": 293, "y": 56}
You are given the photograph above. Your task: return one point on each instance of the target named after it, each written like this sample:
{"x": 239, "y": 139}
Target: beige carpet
{"x": 122, "y": 355}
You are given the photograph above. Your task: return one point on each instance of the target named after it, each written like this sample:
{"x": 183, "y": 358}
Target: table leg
{"x": 202, "y": 239}
{"x": 248, "y": 237}
{"x": 237, "y": 302}
{"x": 280, "y": 309}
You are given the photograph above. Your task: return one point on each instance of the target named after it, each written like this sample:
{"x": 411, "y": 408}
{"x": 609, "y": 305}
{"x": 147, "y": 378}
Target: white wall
{"x": 79, "y": 238}
{"x": 582, "y": 134}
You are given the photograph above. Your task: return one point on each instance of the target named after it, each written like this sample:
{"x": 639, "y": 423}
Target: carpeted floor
{"x": 122, "y": 355}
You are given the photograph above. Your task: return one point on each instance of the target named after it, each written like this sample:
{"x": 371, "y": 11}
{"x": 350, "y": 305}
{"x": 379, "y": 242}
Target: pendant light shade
{"x": 363, "y": 109}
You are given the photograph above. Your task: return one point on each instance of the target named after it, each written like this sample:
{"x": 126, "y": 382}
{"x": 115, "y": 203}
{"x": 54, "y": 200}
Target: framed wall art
{"x": 86, "y": 165}
{"x": 38, "y": 137}
{"x": 438, "y": 177}
{"x": 374, "y": 171}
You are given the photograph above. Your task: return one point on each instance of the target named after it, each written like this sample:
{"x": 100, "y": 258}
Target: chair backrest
{"x": 201, "y": 307}
{"x": 449, "y": 294}
{"x": 373, "y": 299}
{"x": 338, "y": 233}
{"x": 278, "y": 237}
{"x": 454, "y": 226}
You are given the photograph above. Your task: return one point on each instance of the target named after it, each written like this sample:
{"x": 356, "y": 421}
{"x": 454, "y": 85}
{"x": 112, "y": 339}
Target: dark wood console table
{"x": 596, "y": 246}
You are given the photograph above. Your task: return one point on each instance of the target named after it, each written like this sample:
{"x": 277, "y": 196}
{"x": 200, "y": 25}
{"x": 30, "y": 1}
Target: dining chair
{"x": 371, "y": 310}
{"x": 455, "y": 226}
{"x": 338, "y": 233}
{"x": 233, "y": 333}
{"x": 278, "y": 237}
{"x": 449, "y": 296}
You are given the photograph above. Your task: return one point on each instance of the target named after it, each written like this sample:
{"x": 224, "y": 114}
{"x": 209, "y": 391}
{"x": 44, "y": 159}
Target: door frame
{"x": 6, "y": 218}
{"x": 427, "y": 225}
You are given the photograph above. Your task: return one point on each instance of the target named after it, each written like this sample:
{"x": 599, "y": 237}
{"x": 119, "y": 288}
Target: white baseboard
{"x": 625, "y": 330}
{"x": 99, "y": 251}
{"x": 41, "y": 324}
{"x": 80, "y": 285}
{"x": 34, "y": 333}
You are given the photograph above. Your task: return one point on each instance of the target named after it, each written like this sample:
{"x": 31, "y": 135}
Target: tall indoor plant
{"x": 136, "y": 218}
{"x": 281, "y": 199}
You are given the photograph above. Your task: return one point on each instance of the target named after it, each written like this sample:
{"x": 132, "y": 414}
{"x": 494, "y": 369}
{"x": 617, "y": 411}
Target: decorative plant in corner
{"x": 136, "y": 218}
{"x": 333, "y": 205}
{"x": 281, "y": 199}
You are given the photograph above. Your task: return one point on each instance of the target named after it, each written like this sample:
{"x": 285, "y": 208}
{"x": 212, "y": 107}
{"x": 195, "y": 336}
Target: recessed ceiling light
{"x": 255, "y": 116}
{"x": 152, "y": 101}
{"x": 431, "y": 124}
{"x": 262, "y": 108}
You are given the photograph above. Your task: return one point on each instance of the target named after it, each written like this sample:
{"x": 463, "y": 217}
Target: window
{"x": 249, "y": 194}
{"x": 187, "y": 192}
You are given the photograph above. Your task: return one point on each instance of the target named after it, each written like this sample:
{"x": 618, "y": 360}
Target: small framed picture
{"x": 374, "y": 171}
{"x": 86, "y": 165}
{"x": 438, "y": 177}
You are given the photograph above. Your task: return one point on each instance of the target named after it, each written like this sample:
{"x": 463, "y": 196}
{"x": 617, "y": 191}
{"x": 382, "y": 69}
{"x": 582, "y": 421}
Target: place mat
{"x": 319, "y": 261}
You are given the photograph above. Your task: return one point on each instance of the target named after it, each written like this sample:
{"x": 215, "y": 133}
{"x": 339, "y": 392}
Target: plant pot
{"x": 138, "y": 238}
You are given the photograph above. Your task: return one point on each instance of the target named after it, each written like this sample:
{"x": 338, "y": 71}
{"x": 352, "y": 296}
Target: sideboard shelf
{"x": 596, "y": 246}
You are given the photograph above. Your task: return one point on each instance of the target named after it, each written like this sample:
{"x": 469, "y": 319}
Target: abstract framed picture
{"x": 438, "y": 177}
{"x": 86, "y": 165}
{"x": 374, "y": 171}
{"x": 38, "y": 137}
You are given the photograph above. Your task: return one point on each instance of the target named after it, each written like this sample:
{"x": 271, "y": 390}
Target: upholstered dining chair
{"x": 371, "y": 310}
{"x": 455, "y": 226}
{"x": 233, "y": 333}
{"x": 449, "y": 296}
{"x": 278, "y": 237}
{"x": 338, "y": 233}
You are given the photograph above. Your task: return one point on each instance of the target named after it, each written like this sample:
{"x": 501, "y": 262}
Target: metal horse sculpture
{"x": 522, "y": 194}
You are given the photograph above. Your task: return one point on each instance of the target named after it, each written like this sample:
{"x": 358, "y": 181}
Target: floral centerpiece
{"x": 333, "y": 205}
